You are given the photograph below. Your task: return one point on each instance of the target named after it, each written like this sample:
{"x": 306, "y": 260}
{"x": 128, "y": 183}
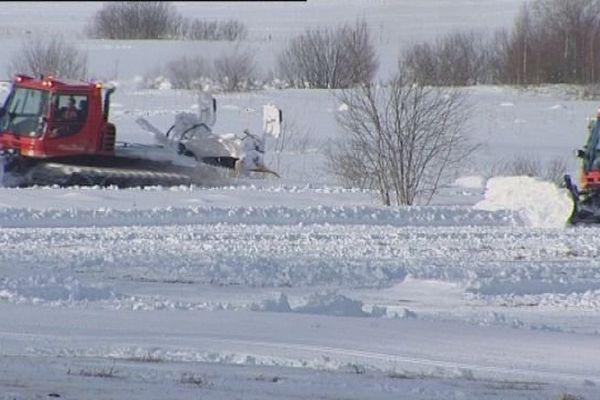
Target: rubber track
{"x": 72, "y": 175}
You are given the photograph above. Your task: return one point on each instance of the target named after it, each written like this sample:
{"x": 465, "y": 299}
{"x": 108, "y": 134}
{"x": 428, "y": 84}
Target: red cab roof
{"x": 45, "y": 83}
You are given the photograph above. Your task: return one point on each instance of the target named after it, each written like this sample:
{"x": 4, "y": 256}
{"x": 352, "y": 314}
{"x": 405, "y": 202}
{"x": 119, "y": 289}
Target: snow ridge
{"x": 271, "y": 215}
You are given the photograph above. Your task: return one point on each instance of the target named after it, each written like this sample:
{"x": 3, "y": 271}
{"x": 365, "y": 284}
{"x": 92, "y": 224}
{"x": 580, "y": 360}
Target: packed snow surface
{"x": 292, "y": 288}
{"x": 172, "y": 287}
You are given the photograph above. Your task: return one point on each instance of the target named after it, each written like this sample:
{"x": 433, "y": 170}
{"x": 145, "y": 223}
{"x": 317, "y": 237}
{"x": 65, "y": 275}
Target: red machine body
{"x": 32, "y": 123}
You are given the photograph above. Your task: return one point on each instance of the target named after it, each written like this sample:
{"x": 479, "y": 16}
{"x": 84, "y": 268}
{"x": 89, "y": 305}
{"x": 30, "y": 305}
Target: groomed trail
{"x": 276, "y": 291}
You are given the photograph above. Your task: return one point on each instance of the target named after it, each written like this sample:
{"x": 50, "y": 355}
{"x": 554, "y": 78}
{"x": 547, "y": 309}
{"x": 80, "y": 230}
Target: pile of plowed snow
{"x": 540, "y": 204}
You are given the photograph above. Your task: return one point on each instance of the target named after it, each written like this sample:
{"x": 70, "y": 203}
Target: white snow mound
{"x": 540, "y": 204}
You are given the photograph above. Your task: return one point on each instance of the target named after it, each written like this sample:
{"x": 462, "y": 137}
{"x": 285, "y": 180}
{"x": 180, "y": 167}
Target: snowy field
{"x": 296, "y": 288}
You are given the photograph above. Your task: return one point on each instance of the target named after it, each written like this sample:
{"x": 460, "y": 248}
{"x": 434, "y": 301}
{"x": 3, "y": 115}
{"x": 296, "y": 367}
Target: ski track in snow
{"x": 264, "y": 340}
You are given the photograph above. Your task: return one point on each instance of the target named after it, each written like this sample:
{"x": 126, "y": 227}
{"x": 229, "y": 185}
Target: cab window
{"x": 69, "y": 114}
{"x": 23, "y": 112}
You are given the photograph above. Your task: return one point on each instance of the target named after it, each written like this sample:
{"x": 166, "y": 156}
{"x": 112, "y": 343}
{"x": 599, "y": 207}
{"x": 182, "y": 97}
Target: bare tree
{"x": 402, "y": 140}
{"x": 456, "y": 59}
{"x": 358, "y": 58}
{"x": 197, "y": 29}
{"x": 158, "y": 20}
{"x": 500, "y": 62}
{"x": 552, "y": 41}
{"x": 512, "y": 54}
{"x": 329, "y": 58}
{"x": 135, "y": 20}
{"x": 552, "y": 170}
{"x": 232, "y": 30}
{"x": 203, "y": 30}
{"x": 422, "y": 62}
{"x": 188, "y": 72}
{"x": 49, "y": 55}
{"x": 235, "y": 71}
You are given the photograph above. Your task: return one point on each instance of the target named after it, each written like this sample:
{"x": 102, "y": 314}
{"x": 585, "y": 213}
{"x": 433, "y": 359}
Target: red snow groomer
{"x": 55, "y": 131}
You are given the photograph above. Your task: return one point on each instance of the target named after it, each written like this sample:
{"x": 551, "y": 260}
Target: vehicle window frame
{"x": 59, "y": 127}
{"x": 21, "y": 123}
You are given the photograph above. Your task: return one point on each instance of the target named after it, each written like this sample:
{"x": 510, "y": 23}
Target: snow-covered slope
{"x": 295, "y": 287}
{"x": 300, "y": 286}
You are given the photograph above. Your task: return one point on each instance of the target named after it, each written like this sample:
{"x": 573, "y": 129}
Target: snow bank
{"x": 540, "y": 204}
{"x": 332, "y": 304}
{"x": 52, "y": 290}
{"x": 279, "y": 304}
{"x": 327, "y": 303}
